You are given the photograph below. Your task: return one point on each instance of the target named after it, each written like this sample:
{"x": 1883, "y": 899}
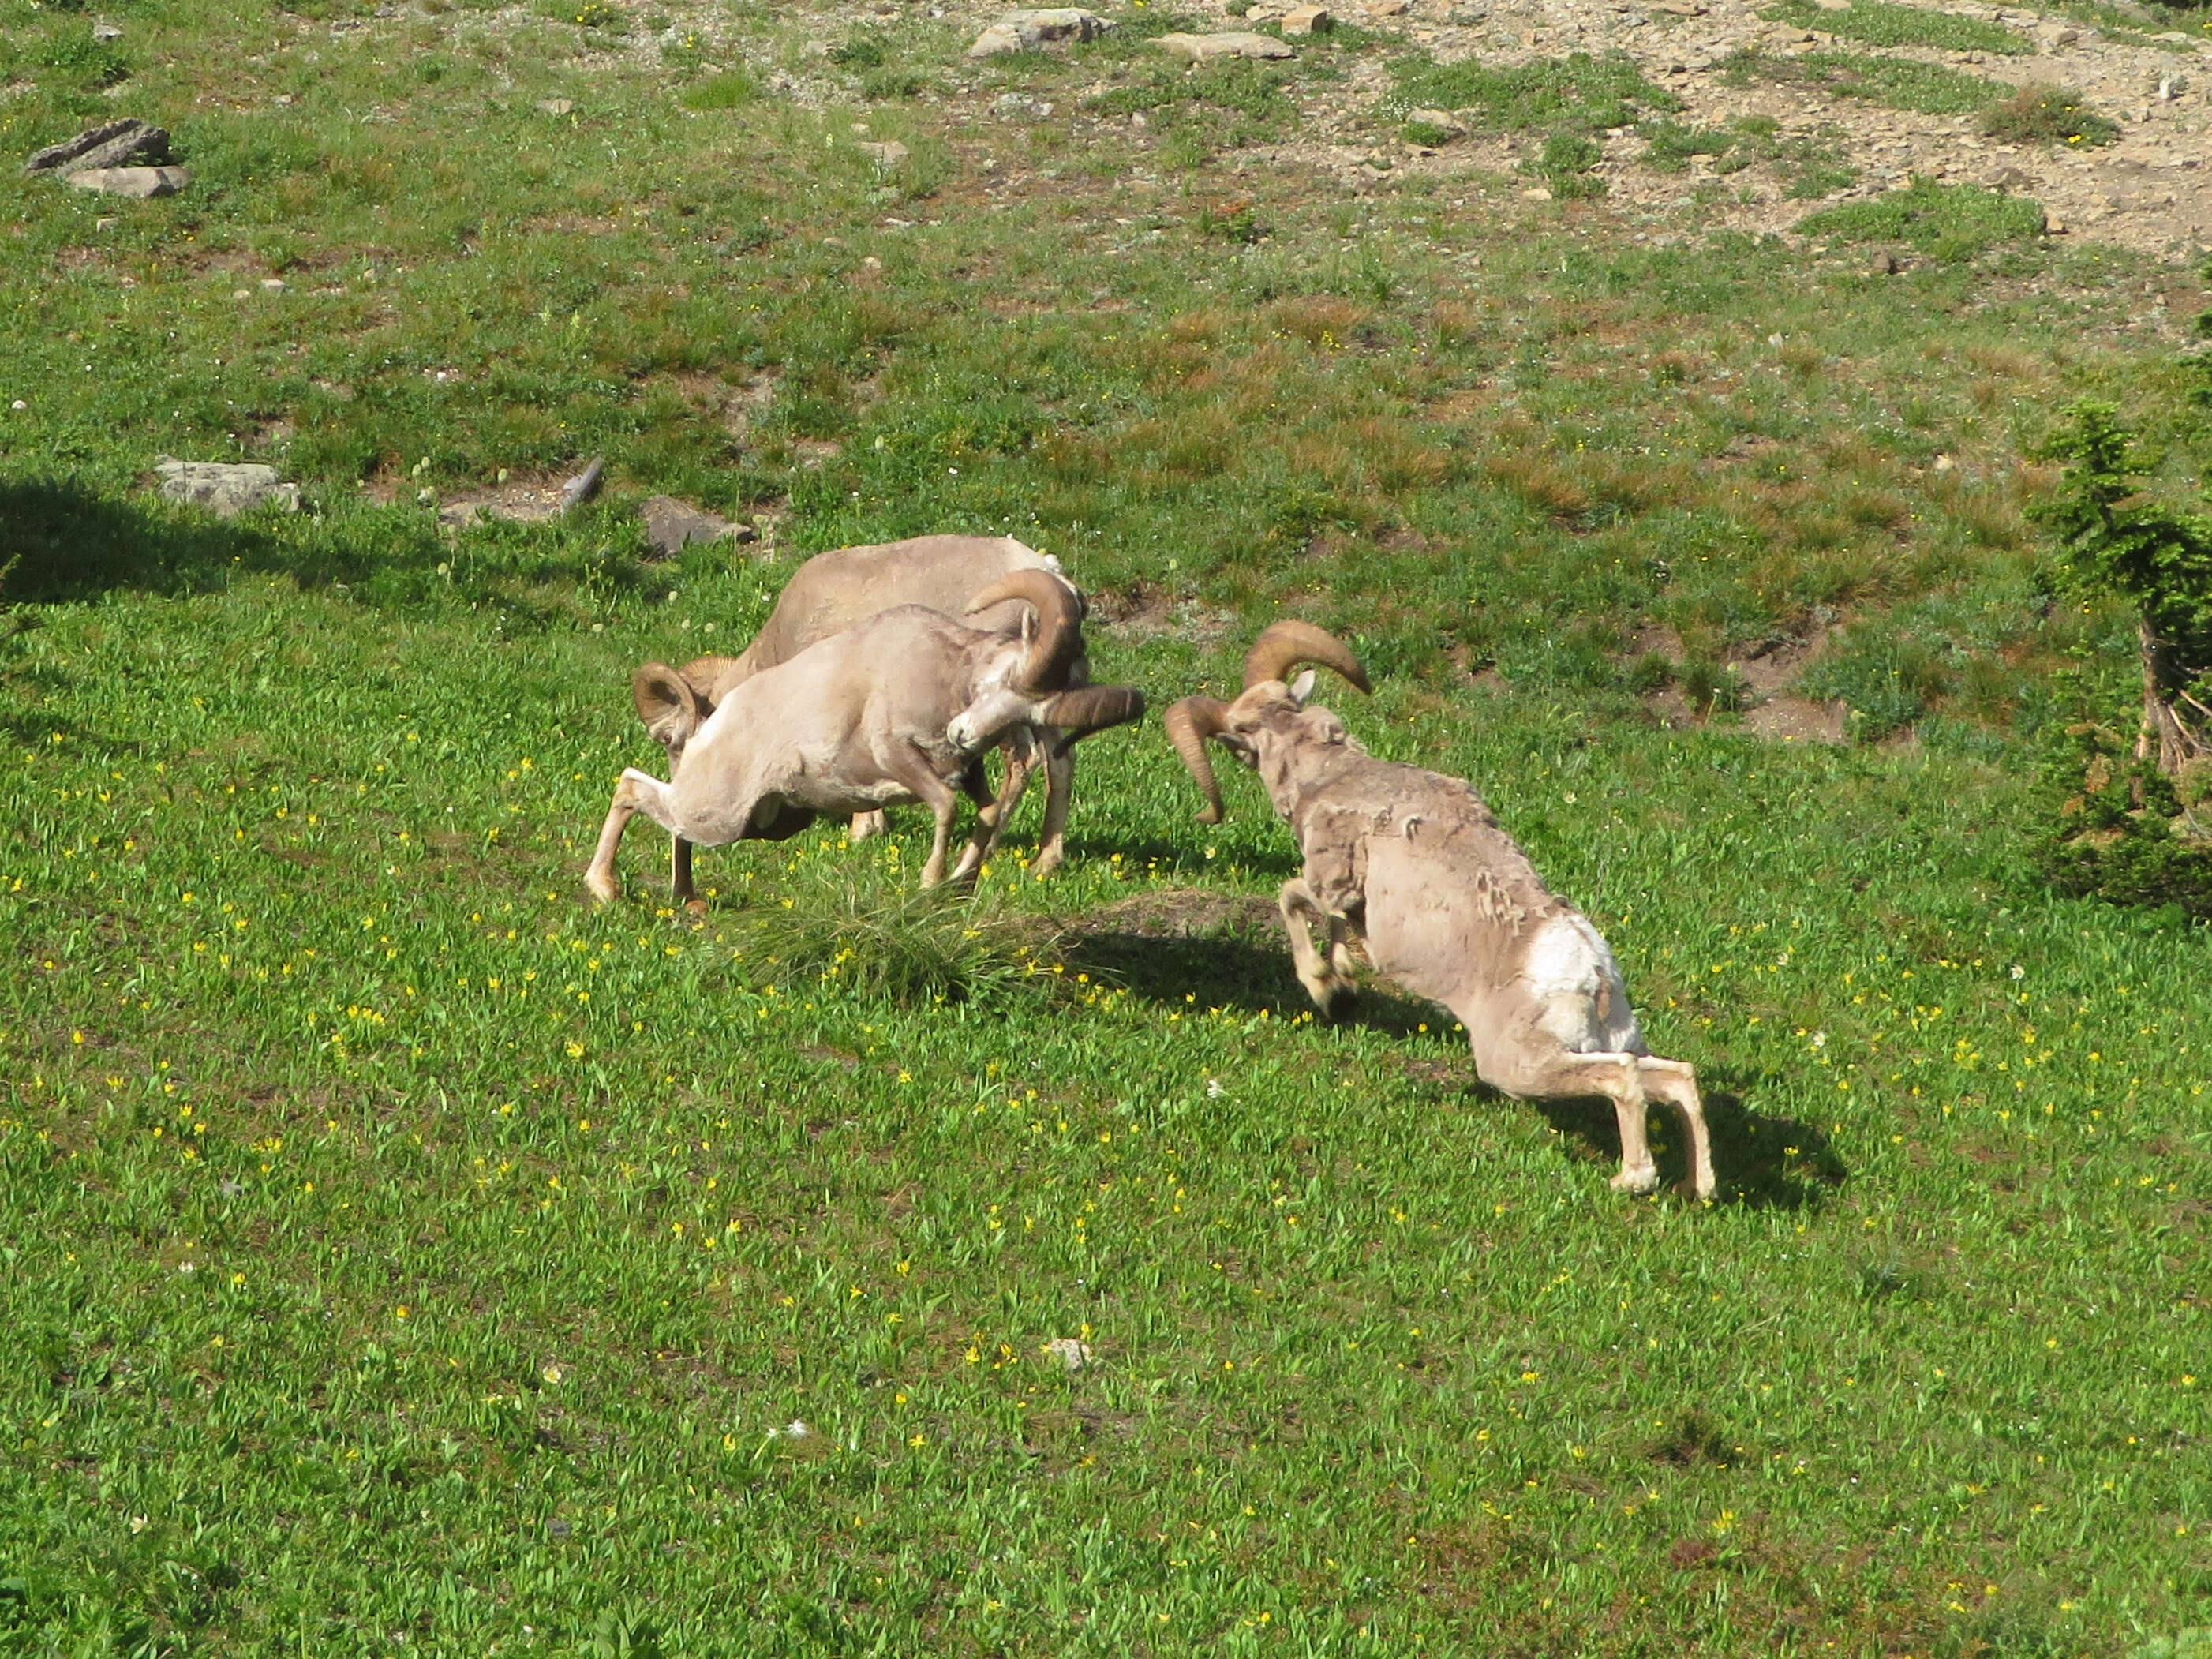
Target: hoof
{"x": 1638, "y": 1182}
{"x": 604, "y": 888}
{"x": 695, "y": 906}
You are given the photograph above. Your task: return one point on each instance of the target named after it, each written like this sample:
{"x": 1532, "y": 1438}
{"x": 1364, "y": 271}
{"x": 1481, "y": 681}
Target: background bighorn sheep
{"x": 894, "y": 710}
{"x": 1450, "y": 908}
{"x": 830, "y": 592}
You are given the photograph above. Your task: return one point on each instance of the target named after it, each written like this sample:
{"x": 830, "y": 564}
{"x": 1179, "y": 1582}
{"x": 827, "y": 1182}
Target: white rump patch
{"x": 1571, "y": 971}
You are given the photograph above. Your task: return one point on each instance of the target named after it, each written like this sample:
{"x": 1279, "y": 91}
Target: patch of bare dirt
{"x": 1797, "y": 719}
{"x": 1144, "y": 610}
{"x": 1182, "y": 913}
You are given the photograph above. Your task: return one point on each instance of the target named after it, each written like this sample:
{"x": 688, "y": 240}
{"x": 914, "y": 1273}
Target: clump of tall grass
{"x": 842, "y": 929}
{"x": 2048, "y": 115}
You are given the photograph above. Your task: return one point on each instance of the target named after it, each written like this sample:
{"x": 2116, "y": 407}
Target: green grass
{"x": 2048, "y": 115}
{"x": 396, "y": 1245}
{"x": 1882, "y": 24}
{"x": 1577, "y": 91}
{"x": 1893, "y": 82}
{"x": 1809, "y": 166}
{"x": 1950, "y": 221}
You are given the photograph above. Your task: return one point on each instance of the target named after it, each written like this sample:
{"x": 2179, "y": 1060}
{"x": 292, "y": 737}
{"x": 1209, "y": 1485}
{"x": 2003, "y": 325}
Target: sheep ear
{"x": 1302, "y": 688}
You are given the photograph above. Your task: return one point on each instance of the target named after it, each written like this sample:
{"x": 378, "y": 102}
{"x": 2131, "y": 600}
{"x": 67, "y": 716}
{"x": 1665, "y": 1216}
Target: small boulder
{"x": 672, "y": 526}
{"x": 1438, "y": 122}
{"x": 1026, "y": 31}
{"x": 1072, "y": 1355}
{"x": 1308, "y": 20}
{"x": 1237, "y": 43}
{"x": 137, "y": 184}
{"x": 888, "y": 153}
{"x": 115, "y": 144}
{"x": 225, "y": 488}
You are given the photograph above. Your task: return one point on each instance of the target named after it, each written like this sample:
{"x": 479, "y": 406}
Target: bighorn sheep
{"x": 830, "y": 592}
{"x": 897, "y": 708}
{"x": 1450, "y": 908}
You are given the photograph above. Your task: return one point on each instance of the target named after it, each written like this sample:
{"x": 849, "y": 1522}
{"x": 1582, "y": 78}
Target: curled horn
{"x": 1059, "y": 638}
{"x": 1189, "y": 724}
{"x": 1091, "y": 708}
{"x": 670, "y": 706}
{"x": 1285, "y": 644}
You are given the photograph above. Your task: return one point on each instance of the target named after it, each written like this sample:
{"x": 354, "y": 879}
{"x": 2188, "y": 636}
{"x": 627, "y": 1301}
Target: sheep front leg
{"x": 1059, "y": 784}
{"x": 1299, "y": 906}
{"x": 1561, "y": 1074}
{"x": 1675, "y": 1082}
{"x": 680, "y": 890}
{"x": 635, "y": 792}
{"x": 911, "y": 769}
{"x": 867, "y": 825}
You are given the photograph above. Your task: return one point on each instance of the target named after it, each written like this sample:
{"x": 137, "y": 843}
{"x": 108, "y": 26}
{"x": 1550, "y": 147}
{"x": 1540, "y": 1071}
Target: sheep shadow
{"x": 1220, "y": 950}
{"x": 61, "y": 542}
{"x": 1228, "y": 951}
{"x": 1762, "y": 1162}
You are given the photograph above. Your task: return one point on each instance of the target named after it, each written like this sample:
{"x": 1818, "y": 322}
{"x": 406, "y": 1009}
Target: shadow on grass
{"x": 1227, "y": 951}
{"x": 1762, "y": 1163}
{"x": 61, "y": 542}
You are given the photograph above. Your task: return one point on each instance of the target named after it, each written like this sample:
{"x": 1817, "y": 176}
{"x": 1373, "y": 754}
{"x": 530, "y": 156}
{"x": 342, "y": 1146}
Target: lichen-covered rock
{"x": 1026, "y": 31}
{"x": 1237, "y": 43}
{"x": 225, "y": 488}
{"x": 137, "y": 184}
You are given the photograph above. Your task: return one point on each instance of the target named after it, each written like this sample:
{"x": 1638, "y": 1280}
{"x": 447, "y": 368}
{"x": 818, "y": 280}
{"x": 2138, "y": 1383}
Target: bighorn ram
{"x": 896, "y": 709}
{"x": 830, "y": 592}
{"x": 1450, "y": 907}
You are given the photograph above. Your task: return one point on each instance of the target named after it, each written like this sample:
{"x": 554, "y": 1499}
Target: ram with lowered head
{"x": 830, "y": 592}
{"x": 1449, "y": 906}
{"x": 896, "y": 709}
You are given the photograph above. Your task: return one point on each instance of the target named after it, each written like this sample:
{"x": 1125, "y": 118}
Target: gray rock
{"x": 225, "y": 488}
{"x": 138, "y": 184}
{"x": 111, "y": 145}
{"x": 888, "y": 153}
{"x": 1204, "y": 48}
{"x": 672, "y": 526}
{"x": 584, "y": 485}
{"x": 1308, "y": 20}
{"x": 1026, "y": 31}
{"x": 1442, "y": 120}
{"x": 105, "y": 30}
{"x": 1072, "y": 1355}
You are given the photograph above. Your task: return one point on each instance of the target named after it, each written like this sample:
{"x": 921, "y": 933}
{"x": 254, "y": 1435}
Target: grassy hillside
{"x": 404, "y": 1257}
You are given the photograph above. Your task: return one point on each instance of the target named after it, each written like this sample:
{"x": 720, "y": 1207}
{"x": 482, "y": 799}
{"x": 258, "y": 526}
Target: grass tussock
{"x": 2048, "y": 115}
{"x": 836, "y": 928}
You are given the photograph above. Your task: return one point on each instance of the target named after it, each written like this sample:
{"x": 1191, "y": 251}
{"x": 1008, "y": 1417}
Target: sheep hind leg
{"x": 635, "y": 792}
{"x": 1675, "y": 1082}
{"x": 1299, "y": 906}
{"x": 867, "y": 825}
